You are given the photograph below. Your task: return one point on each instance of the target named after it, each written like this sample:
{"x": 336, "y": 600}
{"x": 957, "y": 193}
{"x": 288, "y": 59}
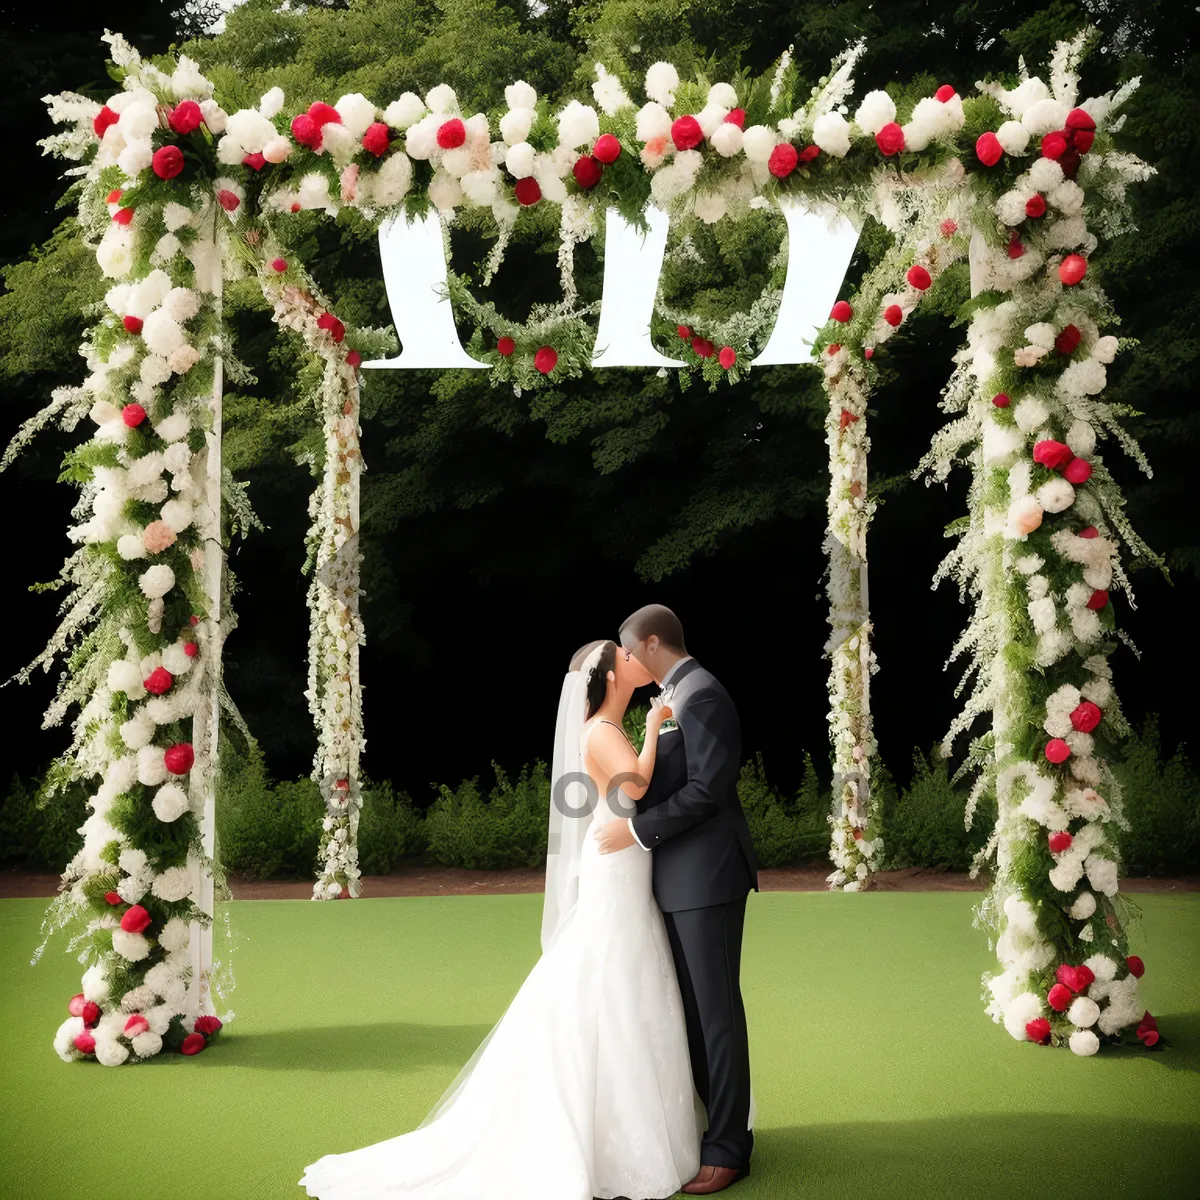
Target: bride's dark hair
{"x": 597, "y": 682}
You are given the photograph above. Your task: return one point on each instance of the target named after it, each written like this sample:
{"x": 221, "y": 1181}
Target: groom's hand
{"x": 613, "y": 836}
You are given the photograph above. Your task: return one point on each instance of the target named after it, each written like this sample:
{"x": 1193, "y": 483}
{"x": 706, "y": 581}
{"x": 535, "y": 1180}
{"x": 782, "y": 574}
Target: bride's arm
{"x": 614, "y": 755}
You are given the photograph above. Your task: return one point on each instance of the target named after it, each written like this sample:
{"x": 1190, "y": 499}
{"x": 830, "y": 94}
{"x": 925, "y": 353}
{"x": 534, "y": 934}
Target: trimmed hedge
{"x": 270, "y": 829}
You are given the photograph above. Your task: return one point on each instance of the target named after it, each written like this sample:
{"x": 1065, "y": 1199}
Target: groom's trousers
{"x": 707, "y": 947}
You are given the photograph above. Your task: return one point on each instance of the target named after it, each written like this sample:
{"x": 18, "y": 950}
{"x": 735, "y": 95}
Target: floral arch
{"x": 177, "y": 197}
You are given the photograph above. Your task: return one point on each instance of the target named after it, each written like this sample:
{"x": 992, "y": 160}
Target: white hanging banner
{"x": 414, "y": 273}
{"x": 818, "y": 257}
{"x": 632, "y": 263}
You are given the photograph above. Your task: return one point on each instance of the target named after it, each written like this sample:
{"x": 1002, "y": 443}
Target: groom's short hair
{"x": 656, "y": 619}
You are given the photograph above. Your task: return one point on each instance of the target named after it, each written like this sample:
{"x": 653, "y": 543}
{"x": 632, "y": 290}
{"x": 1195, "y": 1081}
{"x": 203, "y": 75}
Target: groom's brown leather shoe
{"x": 713, "y": 1179}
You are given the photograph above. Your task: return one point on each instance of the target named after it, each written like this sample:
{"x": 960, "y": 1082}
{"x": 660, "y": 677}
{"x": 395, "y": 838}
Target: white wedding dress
{"x": 584, "y": 1088}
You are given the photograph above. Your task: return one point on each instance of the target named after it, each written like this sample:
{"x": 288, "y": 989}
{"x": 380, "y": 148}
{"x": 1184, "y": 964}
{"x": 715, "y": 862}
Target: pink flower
{"x": 157, "y": 537}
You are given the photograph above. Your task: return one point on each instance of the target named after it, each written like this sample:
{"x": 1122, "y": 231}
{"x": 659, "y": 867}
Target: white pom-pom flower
{"x": 151, "y": 769}
{"x": 1013, "y": 137}
{"x": 405, "y": 111}
{"x": 1056, "y": 495}
{"x": 831, "y": 132}
{"x": 131, "y": 946}
{"x": 652, "y": 121}
{"x": 357, "y": 113}
{"x": 516, "y": 124}
{"x": 520, "y": 160}
{"x": 110, "y": 1052}
{"x": 1084, "y": 1042}
{"x": 176, "y": 935}
{"x": 661, "y": 81}
{"x": 876, "y": 110}
{"x": 1083, "y": 1012}
{"x": 173, "y": 884}
{"x": 758, "y": 141}
{"x": 1102, "y": 874}
{"x": 442, "y": 100}
{"x": 1020, "y": 1011}
{"x": 170, "y": 803}
{"x": 727, "y": 139}
{"x": 156, "y": 581}
{"x": 94, "y": 985}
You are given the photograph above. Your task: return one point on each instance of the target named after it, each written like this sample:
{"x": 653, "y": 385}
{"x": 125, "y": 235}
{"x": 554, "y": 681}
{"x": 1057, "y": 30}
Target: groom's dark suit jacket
{"x": 691, "y": 816}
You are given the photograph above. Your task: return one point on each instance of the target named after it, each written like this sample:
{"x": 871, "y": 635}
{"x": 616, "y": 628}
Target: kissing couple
{"x": 621, "y": 1067}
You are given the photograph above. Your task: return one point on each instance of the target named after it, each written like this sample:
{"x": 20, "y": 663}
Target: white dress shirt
{"x": 666, "y": 682}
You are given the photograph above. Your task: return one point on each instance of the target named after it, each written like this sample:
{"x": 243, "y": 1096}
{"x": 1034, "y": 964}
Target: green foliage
{"x": 389, "y": 828}
{"x": 1162, "y": 804}
{"x": 785, "y": 830}
{"x": 41, "y": 833}
{"x": 505, "y": 828}
{"x": 924, "y": 827}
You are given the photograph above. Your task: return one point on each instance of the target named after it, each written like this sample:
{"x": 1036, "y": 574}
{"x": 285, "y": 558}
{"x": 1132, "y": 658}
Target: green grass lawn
{"x": 875, "y": 1070}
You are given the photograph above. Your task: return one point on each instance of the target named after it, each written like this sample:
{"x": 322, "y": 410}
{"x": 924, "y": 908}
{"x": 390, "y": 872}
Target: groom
{"x": 704, "y": 867}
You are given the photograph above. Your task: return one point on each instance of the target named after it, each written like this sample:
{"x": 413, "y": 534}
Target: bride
{"x": 584, "y": 1087}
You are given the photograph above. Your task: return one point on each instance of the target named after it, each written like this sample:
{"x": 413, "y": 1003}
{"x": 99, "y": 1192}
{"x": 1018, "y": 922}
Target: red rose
{"x": 132, "y": 324}
{"x": 193, "y": 1044}
{"x": 683, "y": 331}
{"x": 1016, "y": 248}
{"x": 1070, "y": 163}
{"x": 1084, "y": 977}
{"x": 506, "y": 346}
{"x": 123, "y": 216}
{"x": 185, "y": 117}
{"x": 587, "y": 172}
{"x": 869, "y": 352}
{"x": 167, "y": 162}
{"x": 727, "y": 357}
{"x": 1059, "y": 998}
{"x": 1054, "y": 145}
{"x": 193, "y": 620}
{"x": 686, "y": 133}
{"x": 136, "y": 919}
{"x": 1059, "y": 841}
{"x": 809, "y": 154}
{"x": 75, "y": 1007}
{"x": 1099, "y": 600}
{"x": 528, "y": 191}
{"x": 546, "y": 359}
{"x": 91, "y": 1013}
{"x": 1035, "y": 206}
{"x": 279, "y": 265}
{"x": 1038, "y": 1030}
{"x": 85, "y": 1043}
{"x": 375, "y": 141}
{"x": 135, "y": 1025}
{"x": 988, "y": 149}
{"x": 228, "y": 200}
{"x": 294, "y": 207}
{"x": 703, "y": 347}
{"x": 103, "y": 119}
{"x": 918, "y": 277}
{"x": 111, "y": 898}
{"x": 207, "y": 1024}
{"x": 1090, "y": 532}
{"x": 336, "y": 329}
{"x": 324, "y": 114}
{"x": 1068, "y": 340}
{"x": 607, "y": 148}
{"x": 113, "y": 196}
{"x": 1137, "y": 968}
{"x": 255, "y": 161}
{"x": 736, "y": 116}
{"x": 191, "y": 649}
{"x": 1054, "y": 455}
{"x": 833, "y": 348}
{"x": 1001, "y": 400}
{"x": 1078, "y": 471}
{"x": 353, "y": 358}
{"x": 1072, "y": 269}
{"x": 306, "y": 131}
{"x": 949, "y": 228}
{"x": 1079, "y": 118}
{"x": 178, "y": 759}
{"x": 846, "y": 419}
{"x": 451, "y": 134}
{"x": 159, "y": 681}
{"x": 1057, "y": 751}
{"x": 893, "y": 315}
{"x": 890, "y": 139}
{"x": 945, "y": 93}
{"x": 1147, "y": 1028}
{"x": 1086, "y": 717}
{"x": 783, "y": 160}
{"x": 841, "y": 311}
